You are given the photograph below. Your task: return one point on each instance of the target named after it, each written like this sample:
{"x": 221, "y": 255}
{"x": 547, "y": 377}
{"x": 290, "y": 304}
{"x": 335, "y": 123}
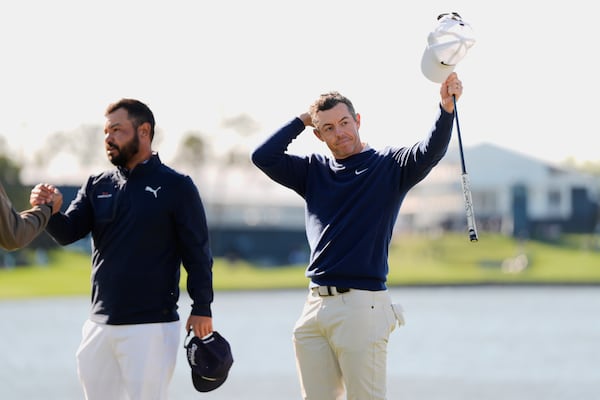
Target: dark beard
{"x": 126, "y": 152}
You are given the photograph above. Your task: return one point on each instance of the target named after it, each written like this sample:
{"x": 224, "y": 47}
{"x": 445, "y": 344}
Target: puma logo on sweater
{"x": 153, "y": 191}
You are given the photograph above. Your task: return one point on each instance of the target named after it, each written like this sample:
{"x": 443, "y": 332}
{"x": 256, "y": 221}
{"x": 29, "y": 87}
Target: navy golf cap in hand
{"x": 210, "y": 359}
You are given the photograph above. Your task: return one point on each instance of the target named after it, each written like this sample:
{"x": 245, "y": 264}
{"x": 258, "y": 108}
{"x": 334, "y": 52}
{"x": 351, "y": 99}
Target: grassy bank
{"x": 414, "y": 260}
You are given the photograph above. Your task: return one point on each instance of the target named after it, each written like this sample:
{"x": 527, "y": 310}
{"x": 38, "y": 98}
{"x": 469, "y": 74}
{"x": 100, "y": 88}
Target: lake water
{"x": 480, "y": 343}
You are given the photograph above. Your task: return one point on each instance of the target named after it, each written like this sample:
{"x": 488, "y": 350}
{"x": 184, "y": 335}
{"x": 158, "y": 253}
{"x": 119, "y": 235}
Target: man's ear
{"x": 144, "y": 129}
{"x": 318, "y": 135}
{"x": 357, "y": 120}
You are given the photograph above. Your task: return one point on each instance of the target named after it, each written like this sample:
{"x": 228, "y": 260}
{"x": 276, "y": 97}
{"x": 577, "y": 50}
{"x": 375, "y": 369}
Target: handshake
{"x": 44, "y": 193}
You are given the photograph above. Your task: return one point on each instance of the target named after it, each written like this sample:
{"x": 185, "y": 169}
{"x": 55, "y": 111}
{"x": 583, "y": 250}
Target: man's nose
{"x": 339, "y": 131}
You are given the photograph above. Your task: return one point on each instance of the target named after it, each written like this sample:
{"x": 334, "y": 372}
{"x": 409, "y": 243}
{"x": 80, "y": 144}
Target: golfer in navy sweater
{"x": 352, "y": 202}
{"x": 146, "y": 220}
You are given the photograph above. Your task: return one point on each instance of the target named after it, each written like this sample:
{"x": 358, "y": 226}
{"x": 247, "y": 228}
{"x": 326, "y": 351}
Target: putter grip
{"x": 469, "y": 208}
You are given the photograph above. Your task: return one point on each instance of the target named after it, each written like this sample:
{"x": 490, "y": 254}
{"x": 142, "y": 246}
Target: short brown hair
{"x": 327, "y": 101}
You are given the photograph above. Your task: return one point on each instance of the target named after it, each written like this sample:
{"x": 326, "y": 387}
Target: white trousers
{"x": 127, "y": 362}
{"x": 340, "y": 344}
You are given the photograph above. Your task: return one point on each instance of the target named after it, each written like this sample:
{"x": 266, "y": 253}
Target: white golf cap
{"x": 446, "y": 46}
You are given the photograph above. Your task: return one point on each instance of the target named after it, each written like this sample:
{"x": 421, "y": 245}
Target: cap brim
{"x": 203, "y": 384}
{"x": 433, "y": 69}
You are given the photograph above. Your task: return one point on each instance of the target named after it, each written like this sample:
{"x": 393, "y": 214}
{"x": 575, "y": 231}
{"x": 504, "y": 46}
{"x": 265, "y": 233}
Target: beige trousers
{"x": 340, "y": 344}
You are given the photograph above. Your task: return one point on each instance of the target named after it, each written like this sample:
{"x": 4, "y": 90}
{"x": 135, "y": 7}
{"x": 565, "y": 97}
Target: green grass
{"x": 449, "y": 259}
{"x": 68, "y": 273}
{"x": 452, "y": 259}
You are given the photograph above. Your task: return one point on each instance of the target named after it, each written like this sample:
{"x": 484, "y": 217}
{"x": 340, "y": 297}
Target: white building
{"x": 512, "y": 193}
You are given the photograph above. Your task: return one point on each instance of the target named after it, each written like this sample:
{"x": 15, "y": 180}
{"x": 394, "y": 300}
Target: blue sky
{"x": 529, "y": 81}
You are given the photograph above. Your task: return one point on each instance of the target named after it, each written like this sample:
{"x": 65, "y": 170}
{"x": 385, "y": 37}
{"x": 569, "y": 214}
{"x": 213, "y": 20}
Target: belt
{"x": 329, "y": 290}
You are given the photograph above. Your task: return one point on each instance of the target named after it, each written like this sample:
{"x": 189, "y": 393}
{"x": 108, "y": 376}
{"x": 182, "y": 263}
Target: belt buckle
{"x": 323, "y": 291}
{"x": 329, "y": 290}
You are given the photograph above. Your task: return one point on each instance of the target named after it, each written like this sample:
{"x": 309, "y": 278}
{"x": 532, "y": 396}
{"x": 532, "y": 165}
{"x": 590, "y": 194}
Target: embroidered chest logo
{"x": 153, "y": 191}
{"x": 360, "y": 171}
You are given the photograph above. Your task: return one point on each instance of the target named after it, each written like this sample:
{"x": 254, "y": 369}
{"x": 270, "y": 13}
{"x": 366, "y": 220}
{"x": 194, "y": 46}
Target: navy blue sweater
{"x": 351, "y": 204}
{"x": 144, "y": 225}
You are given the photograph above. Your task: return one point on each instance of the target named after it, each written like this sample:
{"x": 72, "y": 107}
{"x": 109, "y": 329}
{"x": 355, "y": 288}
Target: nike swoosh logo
{"x": 360, "y": 171}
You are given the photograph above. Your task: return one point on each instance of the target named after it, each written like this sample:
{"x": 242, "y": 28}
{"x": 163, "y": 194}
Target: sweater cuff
{"x": 202, "y": 310}
{"x": 298, "y": 123}
{"x": 444, "y": 111}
